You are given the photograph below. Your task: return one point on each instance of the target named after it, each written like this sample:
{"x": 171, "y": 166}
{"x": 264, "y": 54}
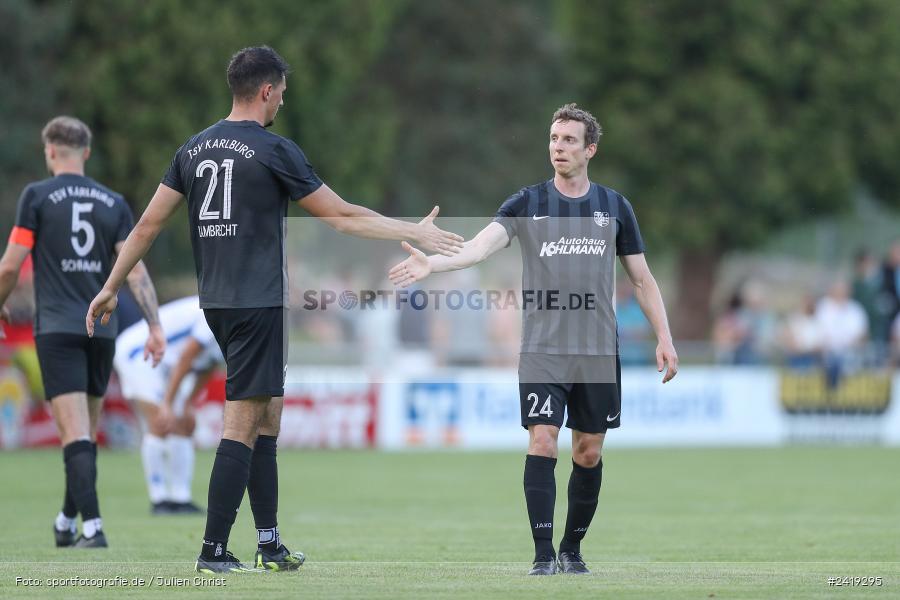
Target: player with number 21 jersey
{"x": 231, "y": 240}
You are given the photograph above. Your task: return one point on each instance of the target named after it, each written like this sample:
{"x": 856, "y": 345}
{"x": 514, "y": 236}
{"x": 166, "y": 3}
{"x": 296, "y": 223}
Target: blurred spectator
{"x": 890, "y": 284}
{"x": 867, "y": 290}
{"x": 844, "y": 328}
{"x": 635, "y": 333}
{"x": 378, "y": 328}
{"x": 743, "y": 335}
{"x": 458, "y": 334}
{"x": 414, "y": 324}
{"x": 729, "y": 331}
{"x": 505, "y": 327}
{"x": 802, "y": 337}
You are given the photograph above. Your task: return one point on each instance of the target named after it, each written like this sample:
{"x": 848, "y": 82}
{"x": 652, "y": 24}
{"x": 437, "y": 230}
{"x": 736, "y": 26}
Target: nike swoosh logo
{"x": 537, "y": 218}
{"x": 613, "y": 418}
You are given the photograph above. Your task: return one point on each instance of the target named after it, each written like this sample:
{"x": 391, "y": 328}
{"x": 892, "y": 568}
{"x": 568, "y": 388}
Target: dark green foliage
{"x": 729, "y": 120}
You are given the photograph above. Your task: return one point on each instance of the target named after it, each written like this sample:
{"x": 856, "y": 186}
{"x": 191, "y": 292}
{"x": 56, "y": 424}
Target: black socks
{"x": 81, "y": 478}
{"x": 227, "y": 483}
{"x": 262, "y": 488}
{"x": 540, "y": 497}
{"x": 69, "y": 508}
{"x": 584, "y": 489}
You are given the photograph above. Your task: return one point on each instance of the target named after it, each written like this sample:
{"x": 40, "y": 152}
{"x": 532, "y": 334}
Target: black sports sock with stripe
{"x": 262, "y": 487}
{"x": 69, "y": 508}
{"x": 81, "y": 477}
{"x": 584, "y": 491}
{"x": 227, "y": 484}
{"x": 540, "y": 498}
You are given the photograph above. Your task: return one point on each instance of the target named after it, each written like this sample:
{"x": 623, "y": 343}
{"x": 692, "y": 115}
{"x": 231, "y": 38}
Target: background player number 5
{"x": 79, "y": 224}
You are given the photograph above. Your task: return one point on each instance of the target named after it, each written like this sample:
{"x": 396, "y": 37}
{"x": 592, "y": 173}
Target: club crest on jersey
{"x": 601, "y": 218}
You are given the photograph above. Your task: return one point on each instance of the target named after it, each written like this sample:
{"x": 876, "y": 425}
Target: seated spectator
{"x": 729, "y": 331}
{"x": 743, "y": 335}
{"x": 890, "y": 284}
{"x": 802, "y": 337}
{"x": 867, "y": 290}
{"x": 844, "y": 330}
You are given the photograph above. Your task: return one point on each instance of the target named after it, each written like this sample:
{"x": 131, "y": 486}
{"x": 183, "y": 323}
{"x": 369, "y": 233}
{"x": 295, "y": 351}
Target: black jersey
{"x": 238, "y": 179}
{"x": 568, "y": 249}
{"x": 72, "y": 225}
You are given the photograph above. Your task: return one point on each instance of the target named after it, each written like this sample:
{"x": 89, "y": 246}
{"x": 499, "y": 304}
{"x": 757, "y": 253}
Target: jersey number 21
{"x": 207, "y": 165}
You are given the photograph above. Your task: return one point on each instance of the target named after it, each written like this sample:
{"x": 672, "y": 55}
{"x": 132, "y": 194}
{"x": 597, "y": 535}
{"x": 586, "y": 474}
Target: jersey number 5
{"x": 79, "y": 224}
{"x": 213, "y": 168}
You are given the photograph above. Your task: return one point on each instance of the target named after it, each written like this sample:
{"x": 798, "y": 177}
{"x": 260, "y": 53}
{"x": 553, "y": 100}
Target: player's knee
{"x": 586, "y": 456}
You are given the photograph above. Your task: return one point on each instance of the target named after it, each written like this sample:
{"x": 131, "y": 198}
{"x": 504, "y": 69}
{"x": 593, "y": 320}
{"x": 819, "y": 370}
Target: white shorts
{"x": 139, "y": 381}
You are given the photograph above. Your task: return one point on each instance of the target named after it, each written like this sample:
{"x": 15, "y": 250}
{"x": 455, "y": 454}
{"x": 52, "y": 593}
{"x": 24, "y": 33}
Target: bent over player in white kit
{"x": 162, "y": 397}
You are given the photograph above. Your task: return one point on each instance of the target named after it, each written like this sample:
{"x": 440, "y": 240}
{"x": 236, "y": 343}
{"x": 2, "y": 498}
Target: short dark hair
{"x": 252, "y": 67}
{"x": 571, "y": 112}
{"x": 66, "y": 131}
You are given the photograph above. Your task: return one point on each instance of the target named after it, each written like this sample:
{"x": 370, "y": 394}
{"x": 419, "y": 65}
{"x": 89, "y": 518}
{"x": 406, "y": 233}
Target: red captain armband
{"x": 20, "y": 235}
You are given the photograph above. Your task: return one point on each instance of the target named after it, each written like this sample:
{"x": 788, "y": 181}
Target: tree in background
{"x": 727, "y": 120}
{"x": 30, "y": 51}
{"x": 148, "y": 75}
{"x": 473, "y": 85}
{"x": 399, "y": 104}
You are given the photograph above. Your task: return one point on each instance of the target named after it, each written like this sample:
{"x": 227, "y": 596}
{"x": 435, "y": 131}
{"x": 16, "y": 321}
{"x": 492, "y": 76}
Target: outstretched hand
{"x": 434, "y": 239}
{"x": 102, "y": 306}
{"x": 666, "y": 357}
{"x": 413, "y": 269}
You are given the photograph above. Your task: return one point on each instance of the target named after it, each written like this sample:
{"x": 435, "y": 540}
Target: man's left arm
{"x": 648, "y": 296}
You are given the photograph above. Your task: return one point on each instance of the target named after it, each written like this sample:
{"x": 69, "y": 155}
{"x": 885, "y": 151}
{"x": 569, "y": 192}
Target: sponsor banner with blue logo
{"x": 479, "y": 408}
{"x": 703, "y": 406}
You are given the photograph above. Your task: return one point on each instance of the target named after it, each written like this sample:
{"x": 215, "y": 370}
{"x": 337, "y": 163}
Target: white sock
{"x": 153, "y": 454}
{"x": 181, "y": 466}
{"x": 63, "y": 523}
{"x": 90, "y": 527}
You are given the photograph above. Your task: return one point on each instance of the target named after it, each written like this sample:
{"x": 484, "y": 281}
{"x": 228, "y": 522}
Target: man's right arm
{"x": 163, "y": 204}
{"x": 418, "y": 266}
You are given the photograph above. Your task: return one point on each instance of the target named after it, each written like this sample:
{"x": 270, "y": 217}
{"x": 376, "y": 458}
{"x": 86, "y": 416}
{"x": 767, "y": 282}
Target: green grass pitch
{"x": 698, "y": 523}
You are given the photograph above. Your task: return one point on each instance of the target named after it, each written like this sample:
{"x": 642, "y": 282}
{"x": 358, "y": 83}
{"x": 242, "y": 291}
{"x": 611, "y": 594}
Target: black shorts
{"x": 588, "y": 387}
{"x": 253, "y": 343}
{"x": 71, "y": 362}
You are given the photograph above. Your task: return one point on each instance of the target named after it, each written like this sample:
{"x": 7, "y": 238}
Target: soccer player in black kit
{"x": 570, "y": 230}
{"x": 73, "y": 227}
{"x": 238, "y": 179}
